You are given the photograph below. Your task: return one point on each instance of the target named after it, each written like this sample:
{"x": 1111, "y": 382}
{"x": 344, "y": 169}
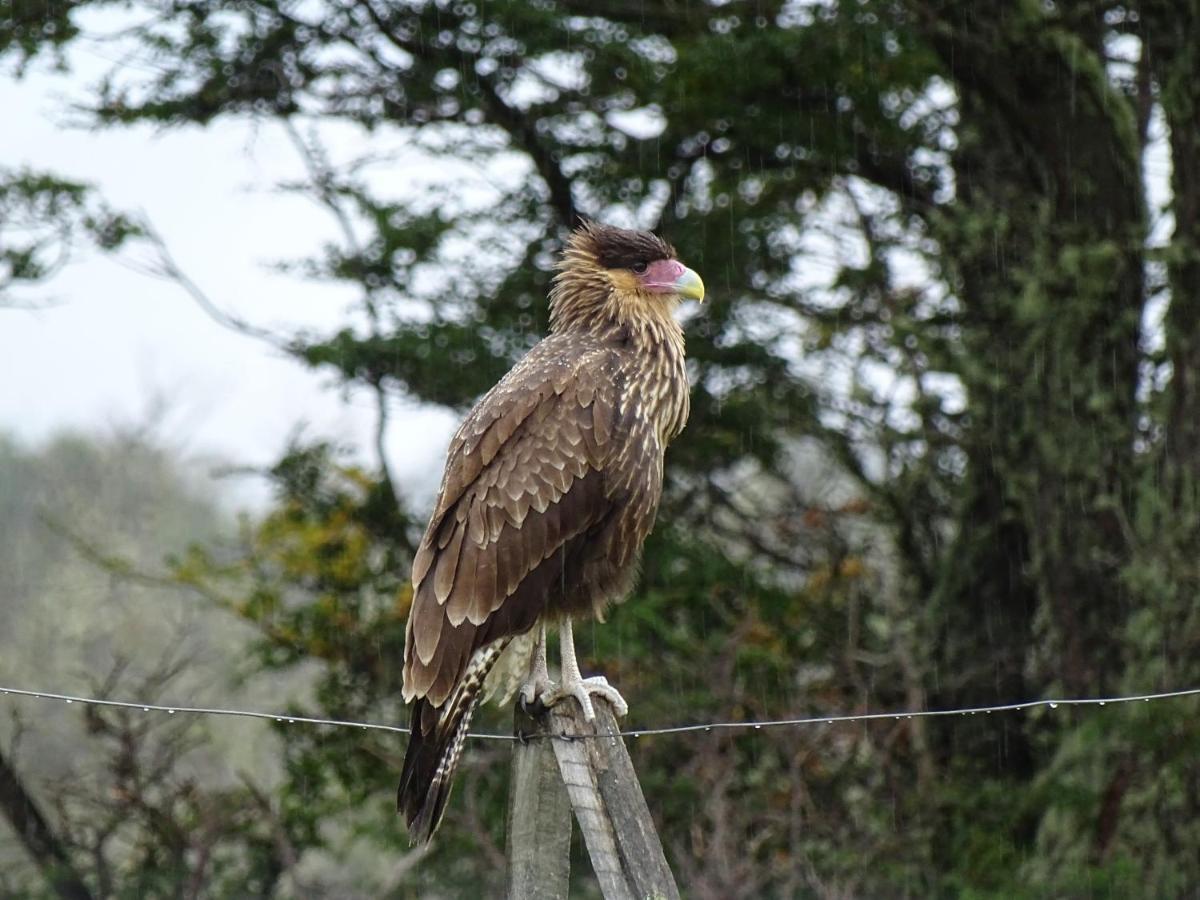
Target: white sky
{"x": 116, "y": 344}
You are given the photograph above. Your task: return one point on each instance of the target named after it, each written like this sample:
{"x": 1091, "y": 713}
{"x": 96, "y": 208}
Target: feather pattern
{"x": 429, "y": 774}
{"x": 552, "y": 484}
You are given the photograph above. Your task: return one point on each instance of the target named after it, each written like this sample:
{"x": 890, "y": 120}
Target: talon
{"x": 574, "y": 685}
{"x": 538, "y": 683}
{"x": 582, "y": 690}
{"x": 531, "y": 700}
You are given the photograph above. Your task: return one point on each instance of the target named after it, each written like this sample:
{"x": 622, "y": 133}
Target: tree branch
{"x": 38, "y": 837}
{"x": 165, "y": 266}
{"x": 521, "y": 128}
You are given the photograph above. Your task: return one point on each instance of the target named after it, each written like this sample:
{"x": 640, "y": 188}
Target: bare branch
{"x": 38, "y": 836}
{"x": 164, "y": 266}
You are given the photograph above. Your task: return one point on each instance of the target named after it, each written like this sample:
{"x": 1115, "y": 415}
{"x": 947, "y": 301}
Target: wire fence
{"x": 284, "y": 718}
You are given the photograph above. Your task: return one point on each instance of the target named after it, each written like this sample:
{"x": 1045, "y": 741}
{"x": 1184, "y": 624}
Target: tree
{"x": 109, "y": 802}
{"x": 43, "y": 219}
{"x": 925, "y": 227}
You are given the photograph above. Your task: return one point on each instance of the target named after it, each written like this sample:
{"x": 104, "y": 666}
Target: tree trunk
{"x": 1046, "y": 239}
{"x": 38, "y": 837}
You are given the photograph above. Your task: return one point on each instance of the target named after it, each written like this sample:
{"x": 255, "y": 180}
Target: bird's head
{"x": 618, "y": 274}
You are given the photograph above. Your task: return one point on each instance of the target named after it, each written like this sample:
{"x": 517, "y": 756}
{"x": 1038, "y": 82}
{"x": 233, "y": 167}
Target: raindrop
{"x": 758, "y": 728}
{"x": 145, "y": 709}
{"x": 1053, "y": 705}
{"x": 70, "y": 701}
{"x": 1102, "y": 702}
{"x": 170, "y": 712}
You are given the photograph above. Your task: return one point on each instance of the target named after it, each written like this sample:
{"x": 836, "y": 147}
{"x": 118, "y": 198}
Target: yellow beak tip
{"x": 690, "y": 286}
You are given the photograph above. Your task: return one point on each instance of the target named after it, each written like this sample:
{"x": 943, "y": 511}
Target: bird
{"x": 551, "y": 486}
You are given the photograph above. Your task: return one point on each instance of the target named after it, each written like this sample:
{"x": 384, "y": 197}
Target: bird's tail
{"x": 436, "y": 743}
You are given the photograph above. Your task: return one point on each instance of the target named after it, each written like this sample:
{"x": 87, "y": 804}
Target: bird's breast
{"x": 654, "y": 377}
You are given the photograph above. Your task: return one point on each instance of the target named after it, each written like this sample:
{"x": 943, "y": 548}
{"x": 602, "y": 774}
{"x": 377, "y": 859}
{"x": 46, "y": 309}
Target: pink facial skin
{"x": 660, "y": 276}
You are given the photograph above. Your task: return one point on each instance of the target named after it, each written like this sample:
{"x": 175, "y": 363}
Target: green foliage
{"x": 30, "y": 28}
{"x": 43, "y": 219}
{"x": 930, "y": 459}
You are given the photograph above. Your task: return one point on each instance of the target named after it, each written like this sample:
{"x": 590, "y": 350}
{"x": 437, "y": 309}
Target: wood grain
{"x": 602, "y": 790}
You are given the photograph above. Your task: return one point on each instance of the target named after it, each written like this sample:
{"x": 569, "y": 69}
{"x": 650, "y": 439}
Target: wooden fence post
{"x": 539, "y": 819}
{"x": 603, "y": 791}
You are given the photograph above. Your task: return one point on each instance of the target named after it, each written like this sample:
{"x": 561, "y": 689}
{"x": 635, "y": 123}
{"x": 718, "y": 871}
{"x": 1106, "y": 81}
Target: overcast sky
{"x": 116, "y": 345}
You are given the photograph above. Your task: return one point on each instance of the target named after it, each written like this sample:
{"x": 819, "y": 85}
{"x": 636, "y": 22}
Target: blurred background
{"x": 257, "y": 259}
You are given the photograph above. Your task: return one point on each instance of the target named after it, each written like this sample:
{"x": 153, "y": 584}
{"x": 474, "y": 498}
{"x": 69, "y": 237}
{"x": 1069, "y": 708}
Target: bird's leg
{"x": 537, "y": 683}
{"x": 574, "y": 685}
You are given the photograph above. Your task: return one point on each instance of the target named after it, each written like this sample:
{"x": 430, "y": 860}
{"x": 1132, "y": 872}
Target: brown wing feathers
{"x": 523, "y": 480}
{"x": 436, "y": 745}
{"x": 499, "y": 514}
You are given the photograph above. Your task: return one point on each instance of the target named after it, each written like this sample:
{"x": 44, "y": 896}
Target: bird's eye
{"x": 639, "y": 268}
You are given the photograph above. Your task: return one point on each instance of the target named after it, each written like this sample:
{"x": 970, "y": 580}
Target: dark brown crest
{"x": 622, "y": 248}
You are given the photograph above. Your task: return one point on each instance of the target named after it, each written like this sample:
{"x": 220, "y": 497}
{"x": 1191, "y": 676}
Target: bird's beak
{"x": 689, "y": 286}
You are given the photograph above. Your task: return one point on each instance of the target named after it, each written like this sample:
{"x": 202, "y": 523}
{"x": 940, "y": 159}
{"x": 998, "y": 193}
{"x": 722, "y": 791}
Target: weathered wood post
{"x": 569, "y": 763}
{"x": 539, "y": 817}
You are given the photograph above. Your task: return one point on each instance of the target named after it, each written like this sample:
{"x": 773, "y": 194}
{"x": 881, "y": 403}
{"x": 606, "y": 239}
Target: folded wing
{"x": 525, "y": 475}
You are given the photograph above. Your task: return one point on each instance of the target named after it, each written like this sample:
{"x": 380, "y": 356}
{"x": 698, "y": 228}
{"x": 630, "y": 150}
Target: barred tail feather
{"x": 435, "y": 745}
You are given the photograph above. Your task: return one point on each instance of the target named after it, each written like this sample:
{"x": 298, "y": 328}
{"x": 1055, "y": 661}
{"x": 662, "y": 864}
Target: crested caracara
{"x": 551, "y": 486}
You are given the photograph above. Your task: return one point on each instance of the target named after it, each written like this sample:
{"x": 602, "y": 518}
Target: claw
{"x": 575, "y": 685}
{"x": 538, "y": 683}
{"x": 532, "y": 698}
{"x": 583, "y": 689}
